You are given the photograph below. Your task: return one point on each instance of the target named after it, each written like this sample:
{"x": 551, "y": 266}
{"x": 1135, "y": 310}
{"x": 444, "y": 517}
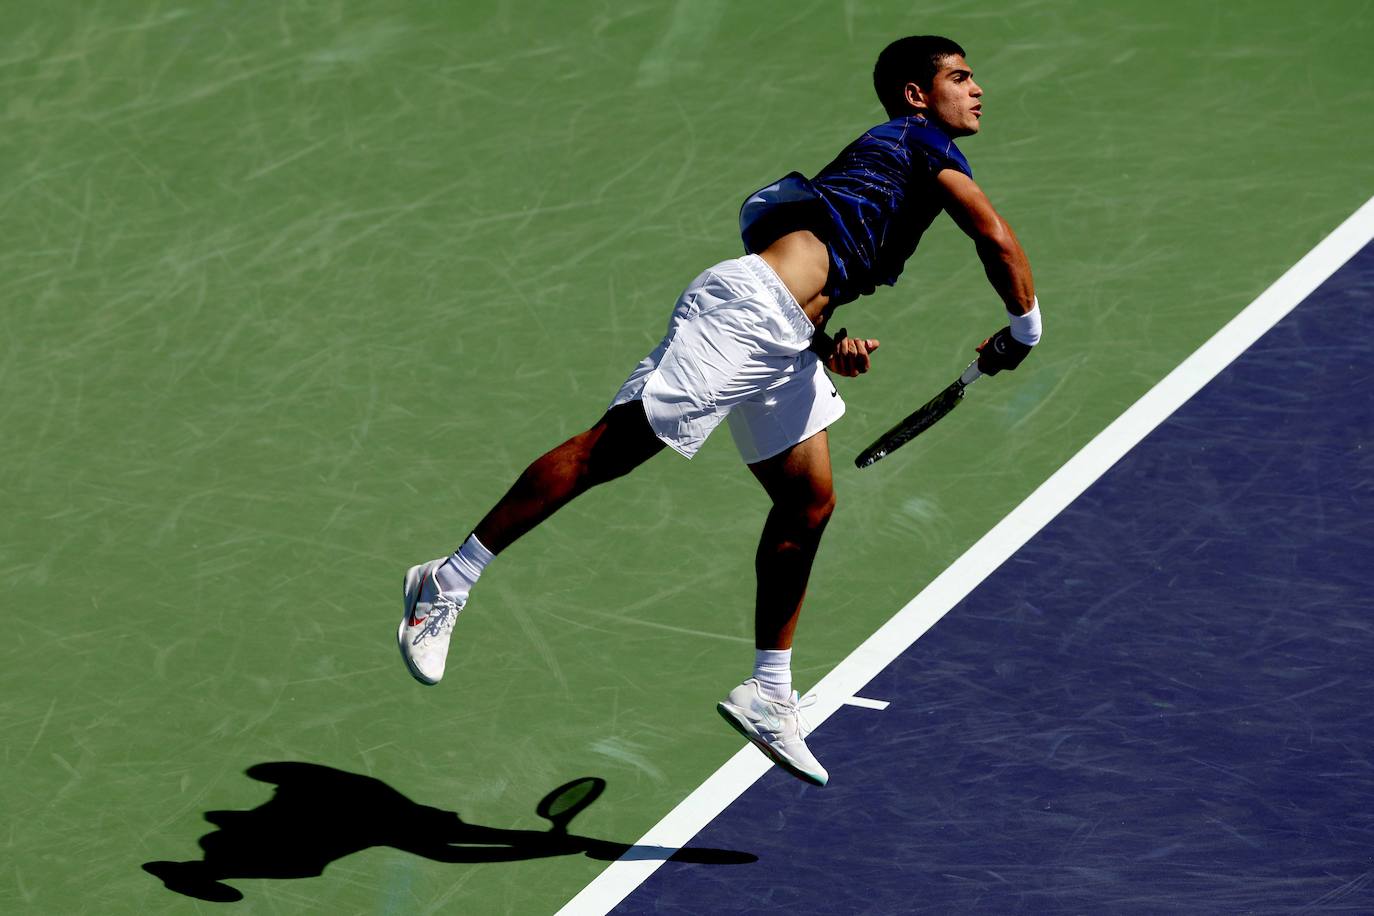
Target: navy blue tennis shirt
{"x": 870, "y": 205}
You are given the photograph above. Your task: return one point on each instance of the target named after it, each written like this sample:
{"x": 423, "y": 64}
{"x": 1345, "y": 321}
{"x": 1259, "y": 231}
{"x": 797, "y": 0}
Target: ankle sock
{"x": 773, "y": 671}
{"x": 458, "y": 574}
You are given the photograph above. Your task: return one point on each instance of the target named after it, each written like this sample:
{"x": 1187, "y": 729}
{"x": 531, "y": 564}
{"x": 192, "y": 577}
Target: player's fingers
{"x": 872, "y": 345}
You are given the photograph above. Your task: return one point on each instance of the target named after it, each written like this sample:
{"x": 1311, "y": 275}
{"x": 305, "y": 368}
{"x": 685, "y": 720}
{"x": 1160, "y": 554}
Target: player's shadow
{"x": 319, "y": 814}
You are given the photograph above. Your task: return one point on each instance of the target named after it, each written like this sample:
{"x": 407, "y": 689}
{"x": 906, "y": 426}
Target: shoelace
{"x": 442, "y": 615}
{"x": 448, "y": 612}
{"x": 800, "y": 703}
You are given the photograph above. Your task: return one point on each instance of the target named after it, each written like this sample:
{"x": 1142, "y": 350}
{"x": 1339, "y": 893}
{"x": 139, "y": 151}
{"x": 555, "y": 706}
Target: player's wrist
{"x": 1025, "y": 328}
{"x": 1001, "y": 351}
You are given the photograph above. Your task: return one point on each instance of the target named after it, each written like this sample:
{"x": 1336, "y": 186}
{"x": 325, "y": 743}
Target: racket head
{"x": 567, "y": 801}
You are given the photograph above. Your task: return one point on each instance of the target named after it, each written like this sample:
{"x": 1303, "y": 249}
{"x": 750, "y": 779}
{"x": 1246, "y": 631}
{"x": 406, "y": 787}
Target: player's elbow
{"x": 999, "y": 249}
{"x": 995, "y": 237}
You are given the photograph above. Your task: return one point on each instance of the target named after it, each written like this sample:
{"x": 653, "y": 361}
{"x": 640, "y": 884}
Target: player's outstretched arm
{"x": 1006, "y": 265}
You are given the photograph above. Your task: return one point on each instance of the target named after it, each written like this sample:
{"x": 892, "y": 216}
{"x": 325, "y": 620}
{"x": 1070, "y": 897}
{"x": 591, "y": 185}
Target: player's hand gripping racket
{"x": 921, "y": 420}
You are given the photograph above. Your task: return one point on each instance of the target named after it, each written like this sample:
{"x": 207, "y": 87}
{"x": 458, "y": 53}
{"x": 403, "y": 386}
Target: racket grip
{"x": 971, "y": 374}
{"x": 824, "y": 347}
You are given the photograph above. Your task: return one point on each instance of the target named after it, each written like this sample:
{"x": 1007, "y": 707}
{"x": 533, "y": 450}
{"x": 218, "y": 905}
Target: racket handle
{"x": 971, "y": 374}
{"x": 824, "y": 347}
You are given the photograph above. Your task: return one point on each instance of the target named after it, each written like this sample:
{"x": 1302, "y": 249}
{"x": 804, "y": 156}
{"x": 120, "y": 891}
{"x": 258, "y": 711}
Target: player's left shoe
{"x": 427, "y": 625}
{"x": 775, "y": 727}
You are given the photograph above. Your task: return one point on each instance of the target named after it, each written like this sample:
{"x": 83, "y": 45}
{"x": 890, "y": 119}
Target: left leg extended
{"x": 763, "y": 708}
{"x": 800, "y": 484}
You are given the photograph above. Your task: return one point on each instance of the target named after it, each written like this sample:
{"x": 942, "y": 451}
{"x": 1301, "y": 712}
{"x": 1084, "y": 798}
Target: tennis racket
{"x": 921, "y": 420}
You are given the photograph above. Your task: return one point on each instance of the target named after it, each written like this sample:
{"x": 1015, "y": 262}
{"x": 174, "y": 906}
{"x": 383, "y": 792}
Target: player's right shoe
{"x": 775, "y": 727}
{"x": 427, "y": 624}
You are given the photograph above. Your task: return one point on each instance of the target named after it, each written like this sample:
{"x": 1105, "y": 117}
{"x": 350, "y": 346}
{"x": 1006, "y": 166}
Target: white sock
{"x": 459, "y": 572}
{"x": 773, "y": 671}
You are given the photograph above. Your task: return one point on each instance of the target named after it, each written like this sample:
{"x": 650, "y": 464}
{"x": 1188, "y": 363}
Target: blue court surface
{"x": 1163, "y": 703}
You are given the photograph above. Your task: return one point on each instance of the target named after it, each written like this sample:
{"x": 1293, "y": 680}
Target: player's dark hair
{"x": 915, "y": 59}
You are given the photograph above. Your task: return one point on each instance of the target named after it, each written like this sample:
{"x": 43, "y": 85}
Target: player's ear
{"x": 915, "y": 98}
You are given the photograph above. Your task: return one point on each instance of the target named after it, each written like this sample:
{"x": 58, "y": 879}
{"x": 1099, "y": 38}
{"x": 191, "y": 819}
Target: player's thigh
{"x": 800, "y": 477}
{"x": 621, "y": 441}
{"x": 800, "y": 402}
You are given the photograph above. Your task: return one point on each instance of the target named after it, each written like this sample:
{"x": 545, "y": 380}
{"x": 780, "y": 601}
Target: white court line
{"x": 866, "y": 703}
{"x": 963, "y": 575}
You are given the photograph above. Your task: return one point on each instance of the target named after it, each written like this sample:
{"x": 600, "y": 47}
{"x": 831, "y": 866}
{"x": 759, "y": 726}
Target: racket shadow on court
{"x": 319, "y": 814}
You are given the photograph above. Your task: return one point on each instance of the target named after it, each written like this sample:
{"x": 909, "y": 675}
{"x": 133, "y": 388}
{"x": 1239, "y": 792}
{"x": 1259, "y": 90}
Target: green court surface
{"x": 292, "y": 291}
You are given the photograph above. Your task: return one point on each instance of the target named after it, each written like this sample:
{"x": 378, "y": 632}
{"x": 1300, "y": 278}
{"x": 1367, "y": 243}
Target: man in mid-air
{"x": 746, "y": 342}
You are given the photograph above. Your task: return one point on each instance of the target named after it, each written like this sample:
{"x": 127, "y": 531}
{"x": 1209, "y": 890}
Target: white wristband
{"x": 1026, "y": 328}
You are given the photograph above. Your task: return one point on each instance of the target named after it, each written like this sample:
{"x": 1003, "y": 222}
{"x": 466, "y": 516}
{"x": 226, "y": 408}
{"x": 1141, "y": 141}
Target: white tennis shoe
{"x": 775, "y": 727}
{"x": 427, "y": 624}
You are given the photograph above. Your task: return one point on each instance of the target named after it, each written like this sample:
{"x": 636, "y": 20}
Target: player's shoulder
{"x": 908, "y": 129}
{"x": 893, "y": 133}
{"x": 939, "y": 148}
{"x": 916, "y": 136}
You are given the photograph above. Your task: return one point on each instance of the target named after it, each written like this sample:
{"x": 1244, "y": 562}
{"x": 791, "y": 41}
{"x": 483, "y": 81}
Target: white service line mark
{"x": 866, "y": 703}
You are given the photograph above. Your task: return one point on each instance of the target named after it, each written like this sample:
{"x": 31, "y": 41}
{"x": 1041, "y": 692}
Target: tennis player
{"x": 746, "y": 343}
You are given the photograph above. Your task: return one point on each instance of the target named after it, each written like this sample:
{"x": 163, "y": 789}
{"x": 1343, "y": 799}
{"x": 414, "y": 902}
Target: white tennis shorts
{"x": 736, "y": 346}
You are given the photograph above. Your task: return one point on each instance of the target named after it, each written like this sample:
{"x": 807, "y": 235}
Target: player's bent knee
{"x": 820, "y": 510}
{"x": 815, "y": 512}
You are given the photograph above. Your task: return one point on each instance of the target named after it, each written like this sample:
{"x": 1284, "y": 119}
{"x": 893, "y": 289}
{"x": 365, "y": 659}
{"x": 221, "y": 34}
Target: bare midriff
{"x": 802, "y": 263}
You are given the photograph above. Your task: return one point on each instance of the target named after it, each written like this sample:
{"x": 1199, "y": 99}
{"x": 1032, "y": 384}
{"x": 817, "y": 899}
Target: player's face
{"x": 955, "y": 100}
